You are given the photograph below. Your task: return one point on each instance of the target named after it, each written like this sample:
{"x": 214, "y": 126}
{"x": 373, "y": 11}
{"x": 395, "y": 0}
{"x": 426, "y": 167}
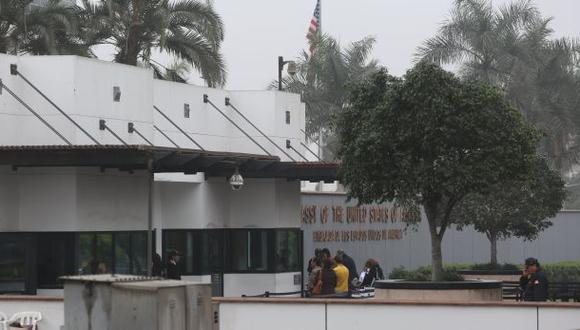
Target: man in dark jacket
{"x": 348, "y": 262}
{"x": 173, "y": 271}
{"x": 533, "y": 283}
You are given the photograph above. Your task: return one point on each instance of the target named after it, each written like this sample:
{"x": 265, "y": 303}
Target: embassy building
{"x": 101, "y": 166}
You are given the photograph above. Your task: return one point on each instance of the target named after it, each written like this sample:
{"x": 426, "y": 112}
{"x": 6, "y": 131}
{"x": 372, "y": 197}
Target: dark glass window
{"x": 139, "y": 253}
{"x": 183, "y": 242}
{"x": 85, "y": 260}
{"x": 259, "y": 250}
{"x": 288, "y": 250}
{"x": 112, "y": 252}
{"x": 214, "y": 251}
{"x": 211, "y": 251}
{"x": 55, "y": 258}
{"x": 239, "y": 245}
{"x": 123, "y": 253}
{"x": 12, "y": 259}
{"x": 250, "y": 250}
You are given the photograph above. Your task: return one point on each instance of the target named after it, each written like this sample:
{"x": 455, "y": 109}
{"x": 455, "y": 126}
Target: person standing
{"x": 328, "y": 277}
{"x": 314, "y": 276}
{"x": 341, "y": 276}
{"x": 374, "y": 273}
{"x": 173, "y": 271}
{"x": 316, "y": 256}
{"x": 351, "y": 266}
{"x": 533, "y": 282}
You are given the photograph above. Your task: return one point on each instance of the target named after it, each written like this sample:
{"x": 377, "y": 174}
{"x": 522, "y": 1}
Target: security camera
{"x": 292, "y": 68}
{"x": 236, "y": 181}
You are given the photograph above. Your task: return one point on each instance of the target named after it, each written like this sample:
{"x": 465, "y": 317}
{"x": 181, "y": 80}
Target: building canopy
{"x": 165, "y": 160}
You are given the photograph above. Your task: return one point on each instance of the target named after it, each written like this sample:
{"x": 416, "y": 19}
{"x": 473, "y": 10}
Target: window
{"x": 186, "y": 110}
{"x": 238, "y": 248}
{"x": 288, "y": 250}
{"x": 12, "y": 258}
{"x": 211, "y": 249}
{"x": 259, "y": 250}
{"x": 116, "y": 252}
{"x": 123, "y": 253}
{"x": 183, "y": 242}
{"x": 288, "y": 117}
{"x": 249, "y": 250}
{"x": 215, "y": 251}
{"x": 139, "y": 253}
{"x": 55, "y": 258}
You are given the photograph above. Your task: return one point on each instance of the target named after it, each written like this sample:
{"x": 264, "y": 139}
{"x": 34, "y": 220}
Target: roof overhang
{"x": 165, "y": 160}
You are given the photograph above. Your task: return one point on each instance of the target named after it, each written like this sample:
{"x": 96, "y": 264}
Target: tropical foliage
{"x": 323, "y": 79}
{"x": 519, "y": 208}
{"x": 188, "y": 30}
{"x": 430, "y": 139}
{"x": 50, "y": 29}
{"x": 511, "y": 47}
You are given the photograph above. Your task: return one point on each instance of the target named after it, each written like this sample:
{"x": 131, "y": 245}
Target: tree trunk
{"x": 493, "y": 242}
{"x": 433, "y": 214}
{"x": 436, "y": 259}
{"x": 132, "y": 49}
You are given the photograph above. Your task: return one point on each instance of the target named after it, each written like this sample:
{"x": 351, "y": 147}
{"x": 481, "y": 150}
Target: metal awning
{"x": 165, "y": 160}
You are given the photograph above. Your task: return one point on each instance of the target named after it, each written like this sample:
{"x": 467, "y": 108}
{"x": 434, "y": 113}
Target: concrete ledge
{"x": 459, "y": 285}
{"x": 30, "y": 298}
{"x": 515, "y": 304}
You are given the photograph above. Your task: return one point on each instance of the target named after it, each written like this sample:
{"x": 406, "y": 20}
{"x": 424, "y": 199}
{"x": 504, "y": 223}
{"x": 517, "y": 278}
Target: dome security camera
{"x": 236, "y": 181}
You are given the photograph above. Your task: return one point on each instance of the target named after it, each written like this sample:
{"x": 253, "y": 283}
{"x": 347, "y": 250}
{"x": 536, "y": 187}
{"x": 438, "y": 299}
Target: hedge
{"x": 566, "y": 271}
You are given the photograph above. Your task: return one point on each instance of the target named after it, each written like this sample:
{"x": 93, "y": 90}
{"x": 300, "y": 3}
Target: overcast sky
{"x": 257, "y": 31}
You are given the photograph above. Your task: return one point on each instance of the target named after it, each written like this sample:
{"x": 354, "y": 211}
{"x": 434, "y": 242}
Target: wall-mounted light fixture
{"x": 117, "y": 94}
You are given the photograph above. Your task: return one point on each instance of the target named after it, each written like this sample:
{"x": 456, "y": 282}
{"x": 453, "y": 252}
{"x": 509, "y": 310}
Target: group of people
{"x": 337, "y": 275}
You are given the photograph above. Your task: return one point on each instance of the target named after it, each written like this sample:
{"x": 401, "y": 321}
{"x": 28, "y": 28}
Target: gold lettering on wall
{"x": 308, "y": 214}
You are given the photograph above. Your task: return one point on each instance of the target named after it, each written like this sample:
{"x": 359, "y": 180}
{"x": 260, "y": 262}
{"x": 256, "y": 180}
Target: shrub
{"x": 491, "y": 266}
{"x": 567, "y": 271}
{"x": 423, "y": 274}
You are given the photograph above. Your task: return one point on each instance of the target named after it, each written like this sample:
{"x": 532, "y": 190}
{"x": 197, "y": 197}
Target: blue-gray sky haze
{"x": 257, "y": 31}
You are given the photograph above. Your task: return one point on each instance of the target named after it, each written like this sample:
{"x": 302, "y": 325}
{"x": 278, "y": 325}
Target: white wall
{"x": 83, "y": 88}
{"x": 261, "y": 203}
{"x": 273, "y": 316}
{"x": 236, "y": 285}
{"x": 71, "y": 199}
{"x": 86, "y": 199}
{"x": 348, "y": 316}
{"x": 52, "y": 311}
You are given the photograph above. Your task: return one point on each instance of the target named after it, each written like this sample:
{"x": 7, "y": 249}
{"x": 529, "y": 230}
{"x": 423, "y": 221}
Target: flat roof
{"x": 165, "y": 160}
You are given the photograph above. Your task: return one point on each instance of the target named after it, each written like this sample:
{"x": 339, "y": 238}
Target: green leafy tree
{"x": 430, "y": 139}
{"x": 514, "y": 208}
{"x": 323, "y": 79}
{"x": 510, "y": 47}
{"x": 189, "y": 30}
{"x": 48, "y": 29}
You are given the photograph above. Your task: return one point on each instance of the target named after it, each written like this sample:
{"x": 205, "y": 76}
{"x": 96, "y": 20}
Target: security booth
{"x": 101, "y": 196}
{"x": 101, "y": 165}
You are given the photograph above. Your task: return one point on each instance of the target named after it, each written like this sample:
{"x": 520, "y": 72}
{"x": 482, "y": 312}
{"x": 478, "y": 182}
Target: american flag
{"x": 314, "y": 28}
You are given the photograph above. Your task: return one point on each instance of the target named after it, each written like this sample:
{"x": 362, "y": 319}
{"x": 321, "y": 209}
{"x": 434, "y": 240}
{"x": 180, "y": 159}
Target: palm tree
{"x": 48, "y": 29}
{"x": 510, "y": 48}
{"x": 323, "y": 79}
{"x": 189, "y": 30}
